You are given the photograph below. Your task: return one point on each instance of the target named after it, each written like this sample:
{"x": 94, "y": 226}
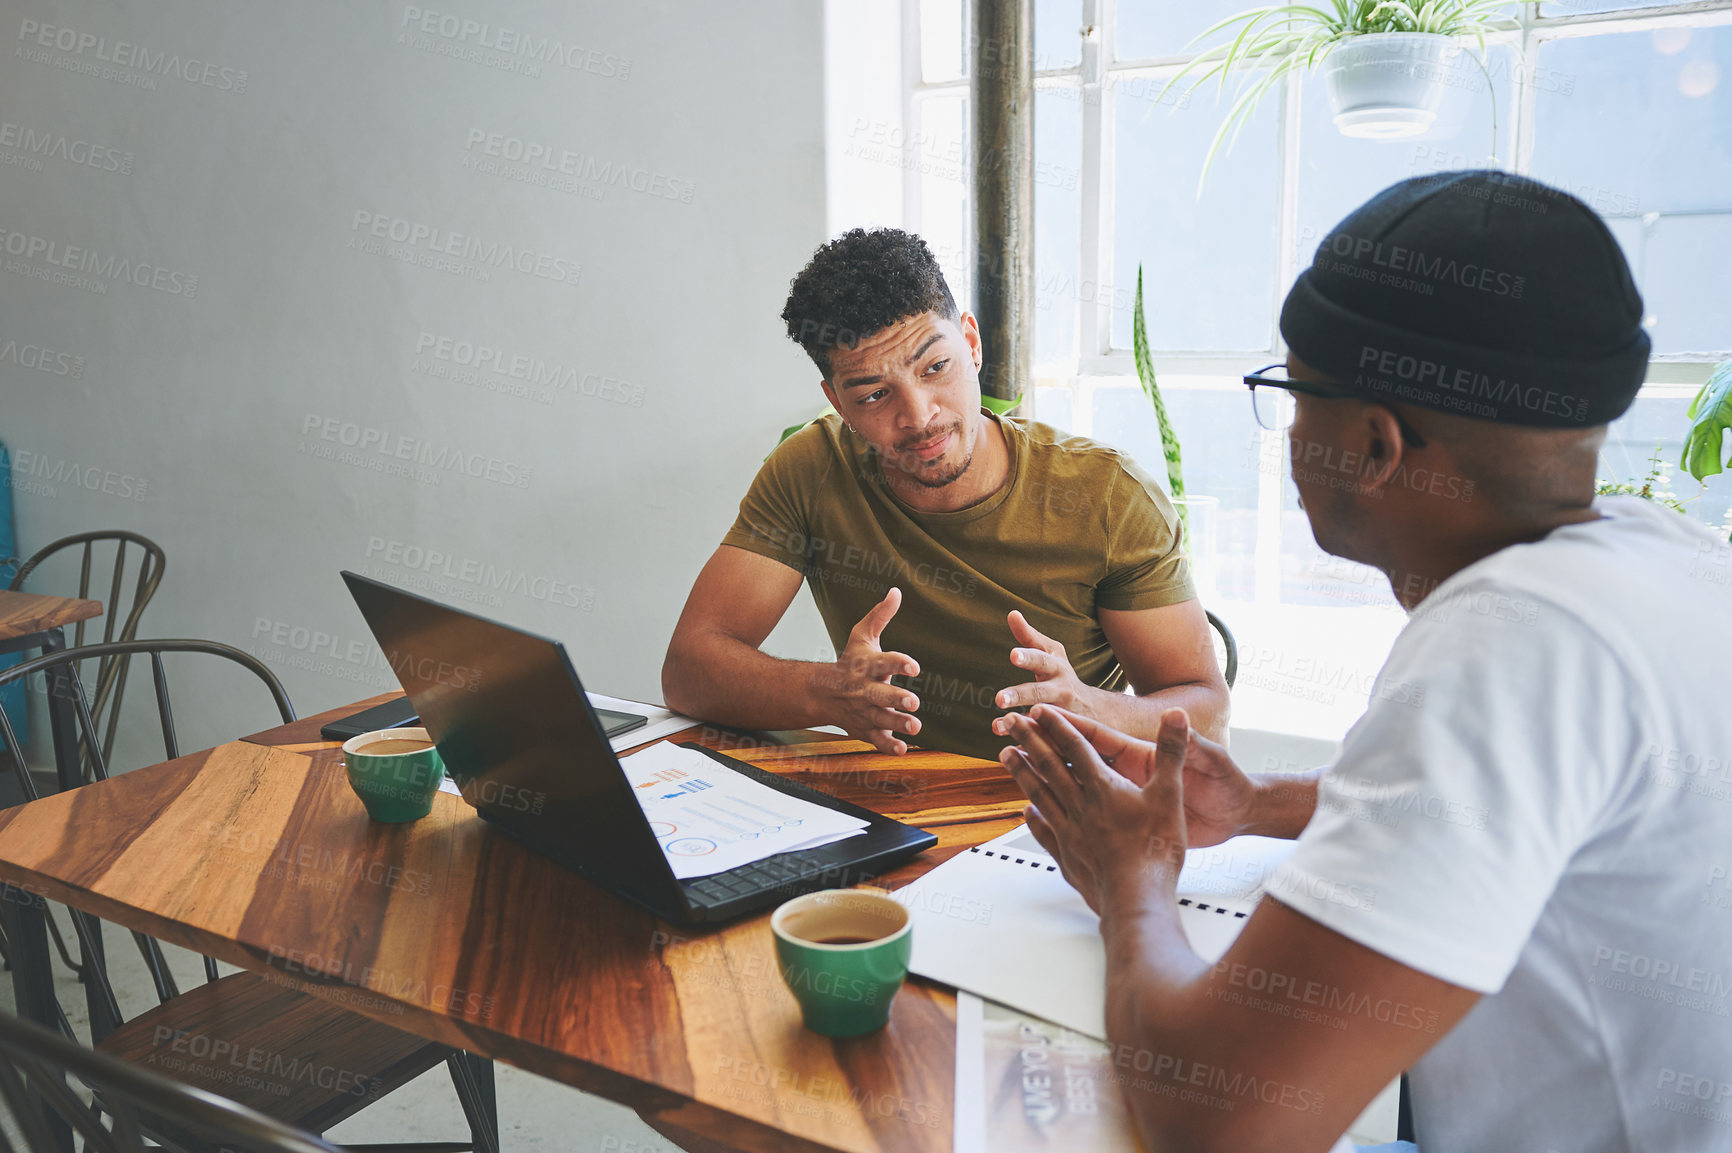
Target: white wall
{"x": 207, "y": 418}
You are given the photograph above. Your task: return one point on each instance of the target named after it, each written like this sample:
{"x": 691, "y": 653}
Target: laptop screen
{"x": 519, "y": 737}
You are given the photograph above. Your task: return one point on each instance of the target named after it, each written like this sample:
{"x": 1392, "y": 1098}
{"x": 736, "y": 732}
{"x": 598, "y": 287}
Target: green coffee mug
{"x": 844, "y": 954}
{"x": 396, "y": 786}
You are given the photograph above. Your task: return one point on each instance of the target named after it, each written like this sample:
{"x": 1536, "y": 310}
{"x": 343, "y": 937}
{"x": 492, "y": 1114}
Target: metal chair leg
{"x": 60, "y": 947}
{"x": 157, "y": 965}
{"x": 1404, "y": 1113}
{"x": 33, "y": 995}
{"x": 472, "y": 1077}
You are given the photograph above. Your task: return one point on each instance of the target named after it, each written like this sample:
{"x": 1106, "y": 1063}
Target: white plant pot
{"x": 1389, "y": 85}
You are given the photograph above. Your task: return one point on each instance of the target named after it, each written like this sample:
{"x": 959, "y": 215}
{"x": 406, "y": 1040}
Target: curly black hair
{"x": 860, "y": 283}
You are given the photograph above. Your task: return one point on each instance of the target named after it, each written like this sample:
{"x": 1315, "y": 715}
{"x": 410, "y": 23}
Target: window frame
{"x": 1094, "y": 362}
{"x": 1093, "y": 367}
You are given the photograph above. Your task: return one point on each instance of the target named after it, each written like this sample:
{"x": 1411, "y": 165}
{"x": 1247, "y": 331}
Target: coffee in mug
{"x": 844, "y": 954}
{"x": 395, "y": 772}
{"x": 394, "y": 745}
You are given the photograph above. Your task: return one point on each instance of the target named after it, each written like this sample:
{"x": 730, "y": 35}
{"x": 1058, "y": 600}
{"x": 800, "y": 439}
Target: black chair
{"x": 111, "y": 672}
{"x": 8, "y": 569}
{"x": 1404, "y": 1114}
{"x": 44, "y": 1078}
{"x": 1231, "y": 664}
{"x": 243, "y": 1011}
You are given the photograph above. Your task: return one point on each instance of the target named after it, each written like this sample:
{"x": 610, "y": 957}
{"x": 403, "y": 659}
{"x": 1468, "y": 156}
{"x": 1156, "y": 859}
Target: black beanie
{"x": 1479, "y": 293}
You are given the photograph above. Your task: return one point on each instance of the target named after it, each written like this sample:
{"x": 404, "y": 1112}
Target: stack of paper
{"x": 661, "y": 722}
{"x": 1001, "y": 921}
{"x": 709, "y": 818}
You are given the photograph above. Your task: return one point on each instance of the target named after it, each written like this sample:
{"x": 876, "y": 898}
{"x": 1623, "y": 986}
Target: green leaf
{"x": 1711, "y": 416}
{"x": 793, "y": 428}
{"x": 1169, "y": 440}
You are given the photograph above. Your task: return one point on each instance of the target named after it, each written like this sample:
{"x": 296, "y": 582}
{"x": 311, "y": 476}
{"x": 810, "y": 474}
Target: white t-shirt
{"x": 1537, "y": 805}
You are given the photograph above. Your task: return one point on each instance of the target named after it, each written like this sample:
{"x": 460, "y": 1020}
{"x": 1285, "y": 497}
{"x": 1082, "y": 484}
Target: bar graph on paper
{"x": 709, "y": 819}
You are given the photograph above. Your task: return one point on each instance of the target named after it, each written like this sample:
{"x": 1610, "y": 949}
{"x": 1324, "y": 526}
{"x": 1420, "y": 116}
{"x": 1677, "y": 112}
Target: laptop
{"x": 520, "y": 739}
{"x": 400, "y": 713}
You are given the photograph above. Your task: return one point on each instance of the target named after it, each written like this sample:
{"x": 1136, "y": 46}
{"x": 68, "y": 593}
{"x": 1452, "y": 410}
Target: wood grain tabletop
{"x": 259, "y": 854}
{"x": 24, "y": 613}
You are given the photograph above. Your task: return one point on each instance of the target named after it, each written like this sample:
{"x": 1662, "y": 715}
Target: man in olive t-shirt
{"x": 965, "y": 565}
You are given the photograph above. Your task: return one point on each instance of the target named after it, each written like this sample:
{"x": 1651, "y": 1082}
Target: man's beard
{"x": 1338, "y": 525}
{"x": 901, "y": 457}
{"x": 948, "y": 476}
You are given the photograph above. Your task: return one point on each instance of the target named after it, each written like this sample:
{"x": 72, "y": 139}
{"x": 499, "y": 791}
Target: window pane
{"x": 1685, "y": 271}
{"x": 1052, "y": 406}
{"x": 940, "y": 40}
{"x": 1656, "y": 423}
{"x": 1164, "y": 27}
{"x": 1210, "y": 424}
{"x": 1057, "y": 220}
{"x": 1057, "y": 34}
{"x": 1582, "y": 7}
{"x": 1643, "y": 132}
{"x": 1308, "y": 662}
{"x": 1209, "y": 260}
{"x": 942, "y": 161}
{"x": 1339, "y": 173}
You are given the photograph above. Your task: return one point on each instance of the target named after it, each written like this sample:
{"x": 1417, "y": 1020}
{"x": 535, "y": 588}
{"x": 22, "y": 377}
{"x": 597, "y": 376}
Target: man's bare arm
{"x": 1222, "y": 801}
{"x": 1168, "y": 654}
{"x": 1287, "y": 1038}
{"x": 1284, "y": 805}
{"x": 715, "y": 670}
{"x": 1277, "y": 1046}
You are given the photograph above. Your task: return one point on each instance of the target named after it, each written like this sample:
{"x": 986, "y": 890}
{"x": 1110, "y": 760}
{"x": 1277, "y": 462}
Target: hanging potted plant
{"x": 1386, "y": 62}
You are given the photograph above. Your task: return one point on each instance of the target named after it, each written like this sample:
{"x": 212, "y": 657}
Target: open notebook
{"x": 1000, "y": 921}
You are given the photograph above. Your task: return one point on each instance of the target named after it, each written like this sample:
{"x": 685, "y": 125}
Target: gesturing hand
{"x": 1105, "y": 832}
{"x": 1055, "y": 682}
{"x": 1219, "y": 796}
{"x": 856, "y": 690}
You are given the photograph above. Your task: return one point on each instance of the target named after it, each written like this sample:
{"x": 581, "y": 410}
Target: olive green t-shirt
{"x": 1076, "y": 528}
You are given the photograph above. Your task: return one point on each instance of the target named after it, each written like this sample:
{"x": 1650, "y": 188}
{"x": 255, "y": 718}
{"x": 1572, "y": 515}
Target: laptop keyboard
{"x": 782, "y": 871}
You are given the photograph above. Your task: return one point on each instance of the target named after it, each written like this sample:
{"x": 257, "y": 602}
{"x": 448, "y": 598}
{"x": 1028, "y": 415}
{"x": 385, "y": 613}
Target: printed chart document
{"x": 709, "y": 818}
{"x": 1001, "y": 921}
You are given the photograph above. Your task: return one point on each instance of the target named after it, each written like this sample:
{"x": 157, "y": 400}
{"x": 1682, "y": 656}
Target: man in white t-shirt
{"x": 1516, "y": 881}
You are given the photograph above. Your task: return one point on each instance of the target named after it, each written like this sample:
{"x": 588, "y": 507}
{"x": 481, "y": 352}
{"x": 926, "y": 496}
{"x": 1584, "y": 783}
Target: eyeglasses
{"x": 1272, "y": 400}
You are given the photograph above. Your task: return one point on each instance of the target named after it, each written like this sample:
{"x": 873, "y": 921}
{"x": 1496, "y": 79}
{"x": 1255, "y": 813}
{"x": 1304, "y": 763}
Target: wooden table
{"x": 24, "y": 617}
{"x": 257, "y": 853}
{"x": 33, "y": 621}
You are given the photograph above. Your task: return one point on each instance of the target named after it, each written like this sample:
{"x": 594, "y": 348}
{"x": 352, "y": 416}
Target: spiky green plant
{"x": 1275, "y": 39}
{"x": 1169, "y": 439}
{"x": 1711, "y": 414}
